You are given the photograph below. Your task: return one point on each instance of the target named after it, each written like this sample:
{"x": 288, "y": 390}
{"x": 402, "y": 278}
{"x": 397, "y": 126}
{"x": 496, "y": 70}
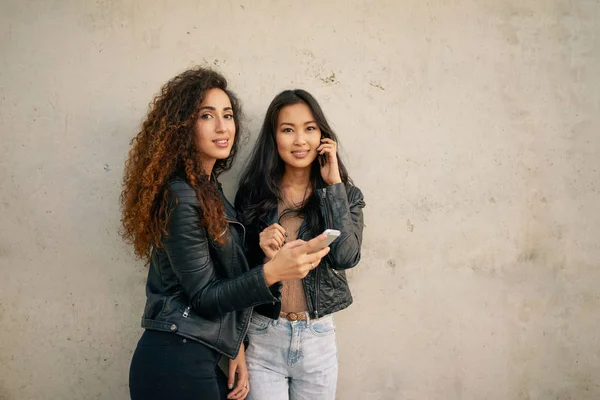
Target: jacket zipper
{"x": 311, "y": 310}
{"x": 244, "y": 244}
{"x": 186, "y": 312}
{"x": 243, "y": 229}
{"x": 326, "y": 217}
{"x": 339, "y": 275}
{"x": 325, "y": 210}
{"x": 318, "y": 290}
{"x": 308, "y": 303}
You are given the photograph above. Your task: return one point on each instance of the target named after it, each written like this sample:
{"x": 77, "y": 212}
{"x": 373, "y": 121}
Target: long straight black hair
{"x": 260, "y": 184}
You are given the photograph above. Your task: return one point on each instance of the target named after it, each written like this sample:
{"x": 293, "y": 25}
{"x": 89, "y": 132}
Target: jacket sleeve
{"x": 255, "y": 255}
{"x": 342, "y": 210}
{"x": 187, "y": 247}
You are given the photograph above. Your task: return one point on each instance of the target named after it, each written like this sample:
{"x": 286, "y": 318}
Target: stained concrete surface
{"x": 472, "y": 127}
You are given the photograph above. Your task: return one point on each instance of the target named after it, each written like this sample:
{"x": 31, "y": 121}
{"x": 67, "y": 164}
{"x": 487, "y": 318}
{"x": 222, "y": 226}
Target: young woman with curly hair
{"x": 200, "y": 290}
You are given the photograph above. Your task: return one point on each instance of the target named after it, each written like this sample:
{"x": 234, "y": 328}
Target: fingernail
{"x": 230, "y": 386}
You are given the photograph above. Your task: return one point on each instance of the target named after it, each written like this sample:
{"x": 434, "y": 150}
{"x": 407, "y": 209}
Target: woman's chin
{"x": 299, "y": 163}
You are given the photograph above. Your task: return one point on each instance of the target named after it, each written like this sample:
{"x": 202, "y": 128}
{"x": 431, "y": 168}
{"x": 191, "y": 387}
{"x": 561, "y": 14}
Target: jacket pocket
{"x": 340, "y": 275}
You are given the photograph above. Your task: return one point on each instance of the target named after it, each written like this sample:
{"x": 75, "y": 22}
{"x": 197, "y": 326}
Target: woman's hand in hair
{"x": 330, "y": 170}
{"x": 272, "y": 238}
{"x": 295, "y": 260}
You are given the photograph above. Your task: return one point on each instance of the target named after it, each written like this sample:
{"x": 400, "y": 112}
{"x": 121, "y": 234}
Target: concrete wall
{"x": 471, "y": 126}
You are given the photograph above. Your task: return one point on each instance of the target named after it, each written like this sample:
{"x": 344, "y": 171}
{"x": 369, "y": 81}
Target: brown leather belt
{"x": 292, "y": 316}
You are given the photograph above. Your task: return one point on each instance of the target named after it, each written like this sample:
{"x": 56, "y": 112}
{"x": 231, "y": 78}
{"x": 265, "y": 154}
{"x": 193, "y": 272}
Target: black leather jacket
{"x": 197, "y": 288}
{"x": 326, "y": 287}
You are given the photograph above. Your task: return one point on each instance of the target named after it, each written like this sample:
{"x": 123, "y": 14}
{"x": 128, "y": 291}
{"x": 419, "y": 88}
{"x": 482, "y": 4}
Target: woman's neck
{"x": 208, "y": 167}
{"x": 295, "y": 186}
{"x": 295, "y": 179}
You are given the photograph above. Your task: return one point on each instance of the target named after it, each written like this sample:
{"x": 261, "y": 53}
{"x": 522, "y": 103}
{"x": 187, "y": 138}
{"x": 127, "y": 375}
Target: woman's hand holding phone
{"x": 330, "y": 171}
{"x": 295, "y": 259}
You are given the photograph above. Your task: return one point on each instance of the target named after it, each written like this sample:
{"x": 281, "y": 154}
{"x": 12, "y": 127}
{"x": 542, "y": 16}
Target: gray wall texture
{"x": 473, "y": 128}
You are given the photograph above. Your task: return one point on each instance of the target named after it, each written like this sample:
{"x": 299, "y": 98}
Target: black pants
{"x": 167, "y": 366}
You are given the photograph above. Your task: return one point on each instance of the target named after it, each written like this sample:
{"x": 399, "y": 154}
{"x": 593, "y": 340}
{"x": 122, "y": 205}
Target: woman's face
{"x": 297, "y": 136}
{"x": 215, "y": 128}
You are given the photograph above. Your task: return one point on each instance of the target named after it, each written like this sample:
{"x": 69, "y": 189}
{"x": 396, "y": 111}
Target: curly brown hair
{"x": 164, "y": 147}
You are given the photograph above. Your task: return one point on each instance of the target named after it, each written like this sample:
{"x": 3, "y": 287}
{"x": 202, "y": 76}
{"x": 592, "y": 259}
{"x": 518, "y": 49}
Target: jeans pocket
{"x": 259, "y": 325}
{"x": 322, "y": 327}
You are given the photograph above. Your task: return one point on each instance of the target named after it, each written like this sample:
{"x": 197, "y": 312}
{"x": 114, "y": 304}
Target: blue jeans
{"x": 292, "y": 360}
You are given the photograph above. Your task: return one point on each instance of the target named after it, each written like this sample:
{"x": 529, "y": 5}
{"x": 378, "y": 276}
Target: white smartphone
{"x": 332, "y": 234}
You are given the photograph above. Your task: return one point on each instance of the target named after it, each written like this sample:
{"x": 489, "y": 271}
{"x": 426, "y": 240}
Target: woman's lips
{"x": 221, "y": 142}
{"x": 300, "y": 154}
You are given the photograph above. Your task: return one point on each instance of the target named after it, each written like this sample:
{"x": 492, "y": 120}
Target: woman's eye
{"x": 311, "y": 128}
{"x": 205, "y": 116}
{"x": 228, "y": 116}
{"x": 287, "y": 130}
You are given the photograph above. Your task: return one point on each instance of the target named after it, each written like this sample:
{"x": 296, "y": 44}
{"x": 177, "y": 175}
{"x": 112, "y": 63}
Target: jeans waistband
{"x": 307, "y": 320}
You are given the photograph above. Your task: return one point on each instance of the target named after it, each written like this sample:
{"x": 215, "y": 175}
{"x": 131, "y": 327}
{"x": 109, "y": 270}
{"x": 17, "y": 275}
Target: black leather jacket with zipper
{"x": 197, "y": 288}
{"x": 326, "y": 287}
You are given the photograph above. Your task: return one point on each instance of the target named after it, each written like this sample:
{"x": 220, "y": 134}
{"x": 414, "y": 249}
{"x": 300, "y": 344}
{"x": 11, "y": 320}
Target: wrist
{"x": 269, "y": 273}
